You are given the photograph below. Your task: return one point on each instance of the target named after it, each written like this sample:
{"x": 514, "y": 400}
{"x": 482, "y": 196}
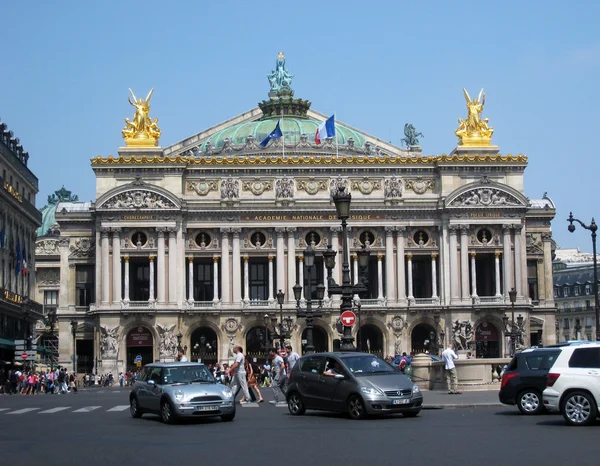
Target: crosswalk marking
{"x": 4, "y": 409}
{"x": 23, "y": 411}
{"x": 86, "y": 409}
{"x": 54, "y": 410}
{"x": 249, "y": 405}
{"x": 119, "y": 408}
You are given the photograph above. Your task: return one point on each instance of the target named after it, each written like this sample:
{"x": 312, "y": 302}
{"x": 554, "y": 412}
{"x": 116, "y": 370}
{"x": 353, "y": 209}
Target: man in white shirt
{"x": 449, "y": 356}
{"x": 181, "y": 357}
{"x": 238, "y": 375}
{"x": 279, "y": 378}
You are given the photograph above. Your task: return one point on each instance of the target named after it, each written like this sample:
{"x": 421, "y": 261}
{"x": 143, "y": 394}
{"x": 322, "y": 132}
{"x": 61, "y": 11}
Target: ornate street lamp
{"x": 283, "y": 334}
{"x": 52, "y": 317}
{"x": 74, "y": 332}
{"x": 179, "y": 337}
{"x": 347, "y": 290}
{"x": 593, "y": 228}
{"x": 514, "y": 328}
{"x": 309, "y": 313}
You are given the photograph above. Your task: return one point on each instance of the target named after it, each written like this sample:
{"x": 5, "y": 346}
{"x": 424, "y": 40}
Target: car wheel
{"x": 411, "y": 413}
{"x": 228, "y": 417}
{"x": 134, "y": 408}
{"x": 530, "y": 402}
{"x": 579, "y": 409}
{"x": 296, "y": 405}
{"x": 167, "y": 413}
{"x": 356, "y": 407}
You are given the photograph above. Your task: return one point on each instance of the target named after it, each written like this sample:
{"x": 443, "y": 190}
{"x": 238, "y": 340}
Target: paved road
{"x": 96, "y": 426}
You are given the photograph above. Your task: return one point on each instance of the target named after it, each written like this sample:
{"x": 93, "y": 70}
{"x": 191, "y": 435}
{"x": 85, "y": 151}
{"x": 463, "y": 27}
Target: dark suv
{"x": 525, "y": 379}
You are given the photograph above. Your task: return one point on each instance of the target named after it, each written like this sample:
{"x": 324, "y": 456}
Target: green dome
{"x": 292, "y": 129}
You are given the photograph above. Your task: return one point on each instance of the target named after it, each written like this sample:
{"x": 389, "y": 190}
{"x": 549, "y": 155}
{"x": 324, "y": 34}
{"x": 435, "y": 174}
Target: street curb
{"x": 462, "y": 405}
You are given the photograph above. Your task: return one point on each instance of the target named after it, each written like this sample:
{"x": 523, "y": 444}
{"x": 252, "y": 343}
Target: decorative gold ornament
{"x": 473, "y": 131}
{"x": 142, "y": 131}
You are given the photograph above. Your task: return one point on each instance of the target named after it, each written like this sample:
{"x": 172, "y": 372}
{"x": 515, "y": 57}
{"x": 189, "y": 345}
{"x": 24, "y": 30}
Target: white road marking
{"x": 86, "y": 409}
{"x": 23, "y": 411}
{"x": 4, "y": 409}
{"x": 54, "y": 410}
{"x": 281, "y": 405}
{"x": 119, "y": 408}
{"x": 249, "y": 405}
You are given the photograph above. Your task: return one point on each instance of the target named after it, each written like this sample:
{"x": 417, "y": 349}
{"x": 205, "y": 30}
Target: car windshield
{"x": 187, "y": 374}
{"x": 367, "y": 365}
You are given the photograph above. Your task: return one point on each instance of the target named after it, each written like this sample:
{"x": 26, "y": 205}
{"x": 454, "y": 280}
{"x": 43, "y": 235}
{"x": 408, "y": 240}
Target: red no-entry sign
{"x": 24, "y": 356}
{"x": 348, "y": 318}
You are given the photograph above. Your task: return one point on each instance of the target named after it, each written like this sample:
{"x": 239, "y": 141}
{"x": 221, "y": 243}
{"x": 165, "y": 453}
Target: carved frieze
{"x": 138, "y": 199}
{"x": 168, "y": 342}
{"x": 82, "y": 247}
{"x": 366, "y": 186}
{"x": 392, "y": 189}
{"x": 420, "y": 185}
{"x": 47, "y": 247}
{"x": 485, "y": 197}
{"x": 312, "y": 185}
{"x": 533, "y": 244}
{"x": 203, "y": 187}
{"x": 284, "y": 188}
{"x": 336, "y": 183}
{"x": 463, "y": 335}
{"x": 230, "y": 189}
{"x": 109, "y": 342}
{"x": 257, "y": 186}
{"x": 48, "y": 277}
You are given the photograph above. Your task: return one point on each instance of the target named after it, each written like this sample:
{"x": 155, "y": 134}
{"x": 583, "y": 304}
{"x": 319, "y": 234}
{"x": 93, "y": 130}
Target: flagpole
{"x": 282, "y": 139}
{"x": 336, "y": 138}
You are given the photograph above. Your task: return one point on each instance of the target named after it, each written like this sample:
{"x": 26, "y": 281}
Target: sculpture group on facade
{"x": 411, "y": 136}
{"x": 474, "y": 130}
{"x": 167, "y": 347}
{"x": 109, "y": 343}
{"x": 463, "y": 335}
{"x": 280, "y": 77}
{"x": 142, "y": 131}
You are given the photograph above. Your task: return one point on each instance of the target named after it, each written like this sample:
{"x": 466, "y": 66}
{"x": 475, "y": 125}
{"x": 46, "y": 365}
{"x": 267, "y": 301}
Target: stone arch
{"x": 419, "y": 330}
{"x": 254, "y": 343}
{"x": 380, "y": 326}
{"x": 126, "y": 329}
{"x": 204, "y": 345}
{"x": 202, "y": 322}
{"x": 487, "y": 349}
{"x": 320, "y": 323}
{"x": 102, "y": 203}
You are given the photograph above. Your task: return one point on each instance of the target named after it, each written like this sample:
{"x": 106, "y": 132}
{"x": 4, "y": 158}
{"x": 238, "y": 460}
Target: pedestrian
{"x": 238, "y": 375}
{"x": 181, "y": 357}
{"x": 252, "y": 382}
{"x": 279, "y": 378}
{"x": 449, "y": 356}
{"x": 121, "y": 379}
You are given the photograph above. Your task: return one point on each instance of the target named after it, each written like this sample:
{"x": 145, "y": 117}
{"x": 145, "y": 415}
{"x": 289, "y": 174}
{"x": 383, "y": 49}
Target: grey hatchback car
{"x": 179, "y": 389}
{"x": 357, "y": 383}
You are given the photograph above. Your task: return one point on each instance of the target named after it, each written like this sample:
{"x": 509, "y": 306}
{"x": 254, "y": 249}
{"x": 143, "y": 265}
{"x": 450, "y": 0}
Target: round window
{"x": 367, "y": 237}
{"x": 421, "y": 238}
{"x": 139, "y": 239}
{"x": 258, "y": 239}
{"x": 203, "y": 239}
{"x": 484, "y": 235}
{"x": 313, "y": 238}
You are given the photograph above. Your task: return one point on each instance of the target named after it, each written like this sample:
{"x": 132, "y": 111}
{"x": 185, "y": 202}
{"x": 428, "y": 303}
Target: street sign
{"x": 138, "y": 358}
{"x": 24, "y": 356}
{"x": 138, "y": 363}
{"x": 19, "y": 342}
{"x": 24, "y": 347}
{"x": 348, "y": 318}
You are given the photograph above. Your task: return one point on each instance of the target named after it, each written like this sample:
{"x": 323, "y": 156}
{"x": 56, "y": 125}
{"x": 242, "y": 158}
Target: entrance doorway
{"x": 487, "y": 344}
{"x": 139, "y": 343}
{"x": 421, "y": 338}
{"x": 320, "y": 340}
{"x": 204, "y": 345}
{"x": 258, "y": 342}
{"x": 370, "y": 340}
{"x": 85, "y": 356}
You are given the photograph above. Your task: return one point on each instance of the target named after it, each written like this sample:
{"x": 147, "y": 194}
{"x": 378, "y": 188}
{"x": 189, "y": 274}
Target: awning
{"x": 6, "y": 343}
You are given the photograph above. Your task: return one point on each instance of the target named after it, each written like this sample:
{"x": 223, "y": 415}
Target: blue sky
{"x": 66, "y": 67}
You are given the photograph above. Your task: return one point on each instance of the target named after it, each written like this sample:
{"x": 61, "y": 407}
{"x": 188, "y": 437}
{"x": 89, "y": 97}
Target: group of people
{"x": 29, "y": 382}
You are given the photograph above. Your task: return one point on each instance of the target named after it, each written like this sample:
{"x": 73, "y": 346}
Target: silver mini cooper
{"x": 175, "y": 390}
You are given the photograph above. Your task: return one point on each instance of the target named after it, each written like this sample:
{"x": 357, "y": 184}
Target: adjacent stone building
{"x": 190, "y": 243}
{"x": 18, "y": 221}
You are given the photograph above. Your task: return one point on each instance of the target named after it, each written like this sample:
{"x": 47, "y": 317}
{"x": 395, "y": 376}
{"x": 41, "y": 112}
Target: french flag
{"x": 326, "y": 129}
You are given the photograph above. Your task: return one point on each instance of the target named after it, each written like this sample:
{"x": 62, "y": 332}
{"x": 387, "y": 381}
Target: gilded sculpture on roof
{"x": 142, "y": 131}
{"x": 473, "y": 131}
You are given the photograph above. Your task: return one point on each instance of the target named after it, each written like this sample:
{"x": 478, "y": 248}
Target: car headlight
{"x": 178, "y": 395}
{"x": 416, "y": 389}
{"x": 227, "y": 393}
{"x": 371, "y": 391}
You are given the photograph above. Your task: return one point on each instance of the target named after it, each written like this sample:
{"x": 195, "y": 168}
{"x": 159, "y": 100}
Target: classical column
{"x": 236, "y": 272}
{"x": 126, "y": 278}
{"x": 497, "y": 273}
{"x": 547, "y": 277}
{"x": 225, "y": 274}
{"x": 191, "y": 279}
{"x": 280, "y": 259}
{"x": 325, "y": 282}
{"x": 291, "y": 264}
{"x": 400, "y": 237}
{"x": 301, "y": 275}
{"x": 160, "y": 266}
{"x": 518, "y": 262}
{"x": 63, "y": 292}
{"x": 410, "y": 277}
{"x": 172, "y": 265}
{"x": 270, "y": 298}
{"x": 246, "y": 280}
{"x": 464, "y": 262}
{"x": 389, "y": 264}
{"x": 355, "y": 270}
{"x": 335, "y": 245}
{"x": 507, "y": 258}
{"x": 215, "y": 279}
{"x": 116, "y": 268}
{"x": 105, "y": 270}
{"x": 379, "y": 276}
{"x": 151, "y": 263}
{"x": 434, "y": 291}
{"x": 473, "y": 276}
{"x": 454, "y": 295}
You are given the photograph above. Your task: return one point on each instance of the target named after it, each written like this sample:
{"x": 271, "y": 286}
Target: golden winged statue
{"x": 473, "y": 131}
{"x": 142, "y": 131}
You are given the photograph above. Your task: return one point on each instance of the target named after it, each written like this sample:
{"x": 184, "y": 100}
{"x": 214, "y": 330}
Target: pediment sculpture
{"x": 47, "y": 247}
{"x": 485, "y": 197}
{"x": 83, "y": 247}
{"x": 138, "y": 199}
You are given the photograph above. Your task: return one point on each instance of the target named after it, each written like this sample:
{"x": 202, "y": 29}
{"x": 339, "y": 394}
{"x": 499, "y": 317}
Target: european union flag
{"x": 275, "y": 134}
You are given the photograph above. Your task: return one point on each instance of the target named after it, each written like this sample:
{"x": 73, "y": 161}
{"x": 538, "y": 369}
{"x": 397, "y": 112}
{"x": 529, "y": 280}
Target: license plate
{"x": 207, "y": 408}
{"x": 403, "y": 401}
